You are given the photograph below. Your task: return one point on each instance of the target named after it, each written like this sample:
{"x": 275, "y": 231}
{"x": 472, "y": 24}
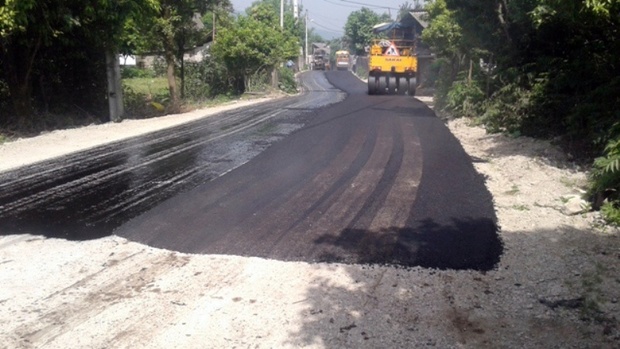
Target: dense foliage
{"x": 52, "y": 55}
{"x": 358, "y": 28}
{"x": 545, "y": 68}
{"x": 254, "y": 46}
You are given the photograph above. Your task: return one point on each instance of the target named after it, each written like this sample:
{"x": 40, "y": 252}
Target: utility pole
{"x": 115, "y": 88}
{"x": 213, "y": 32}
{"x": 281, "y": 13}
{"x": 306, "y": 52}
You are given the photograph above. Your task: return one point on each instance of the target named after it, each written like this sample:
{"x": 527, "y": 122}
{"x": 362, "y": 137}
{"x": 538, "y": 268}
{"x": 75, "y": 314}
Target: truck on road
{"x": 320, "y": 59}
{"x": 343, "y": 60}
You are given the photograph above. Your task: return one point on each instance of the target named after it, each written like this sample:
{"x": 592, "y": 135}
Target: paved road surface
{"x": 88, "y": 194}
{"x": 372, "y": 179}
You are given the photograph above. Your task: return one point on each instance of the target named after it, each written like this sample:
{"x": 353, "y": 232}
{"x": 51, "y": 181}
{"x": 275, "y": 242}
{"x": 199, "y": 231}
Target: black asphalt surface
{"x": 88, "y": 194}
{"x": 371, "y": 179}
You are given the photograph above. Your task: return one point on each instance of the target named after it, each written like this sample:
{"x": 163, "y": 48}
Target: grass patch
{"x": 4, "y": 138}
{"x": 148, "y": 86}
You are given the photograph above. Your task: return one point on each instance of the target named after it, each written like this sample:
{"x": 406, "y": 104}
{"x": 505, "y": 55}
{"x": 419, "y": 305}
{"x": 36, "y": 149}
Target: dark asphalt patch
{"x": 263, "y": 208}
{"x": 256, "y": 210}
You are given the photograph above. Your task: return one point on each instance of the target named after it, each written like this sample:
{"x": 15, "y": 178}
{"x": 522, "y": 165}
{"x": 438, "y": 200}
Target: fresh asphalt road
{"x": 369, "y": 179}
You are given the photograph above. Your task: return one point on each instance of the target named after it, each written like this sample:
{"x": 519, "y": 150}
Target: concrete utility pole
{"x": 281, "y": 13}
{"x": 115, "y": 89}
{"x": 306, "y": 52}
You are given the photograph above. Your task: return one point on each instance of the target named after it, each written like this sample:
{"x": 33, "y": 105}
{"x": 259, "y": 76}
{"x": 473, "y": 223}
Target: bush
{"x": 442, "y": 79}
{"x": 142, "y": 105}
{"x": 206, "y": 79}
{"x": 605, "y": 181}
{"x": 464, "y": 99}
{"x": 506, "y": 109}
{"x": 196, "y": 87}
{"x": 287, "y": 82}
{"x": 611, "y": 212}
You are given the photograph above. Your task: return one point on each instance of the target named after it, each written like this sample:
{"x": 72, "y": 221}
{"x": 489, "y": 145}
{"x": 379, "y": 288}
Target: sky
{"x": 328, "y": 17}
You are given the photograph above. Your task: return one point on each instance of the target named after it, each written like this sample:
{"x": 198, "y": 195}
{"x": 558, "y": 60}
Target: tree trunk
{"x": 172, "y": 82}
{"x": 275, "y": 80}
{"x": 182, "y": 72}
{"x": 502, "y": 14}
{"x": 180, "y": 57}
{"x": 169, "y": 55}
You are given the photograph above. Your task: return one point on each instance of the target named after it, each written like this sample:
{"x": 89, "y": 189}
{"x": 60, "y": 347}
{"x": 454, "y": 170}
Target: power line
{"x": 365, "y": 4}
{"x": 335, "y": 3}
{"x": 328, "y": 29}
{"x": 329, "y": 20}
{"x": 358, "y": 4}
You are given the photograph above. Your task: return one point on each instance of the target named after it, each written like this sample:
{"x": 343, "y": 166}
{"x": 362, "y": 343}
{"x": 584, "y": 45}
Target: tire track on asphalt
{"x": 105, "y": 186}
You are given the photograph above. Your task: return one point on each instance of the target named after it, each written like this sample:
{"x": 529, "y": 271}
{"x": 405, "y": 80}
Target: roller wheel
{"x": 382, "y": 84}
{"x": 392, "y": 85}
{"x": 412, "y": 86}
{"x": 402, "y": 85}
{"x": 372, "y": 85}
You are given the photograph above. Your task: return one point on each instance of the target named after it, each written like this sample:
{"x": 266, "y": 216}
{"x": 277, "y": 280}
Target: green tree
{"x": 254, "y": 44}
{"x": 173, "y": 27}
{"x": 28, "y": 26}
{"x": 358, "y": 28}
{"x": 550, "y": 68}
{"x": 444, "y": 34}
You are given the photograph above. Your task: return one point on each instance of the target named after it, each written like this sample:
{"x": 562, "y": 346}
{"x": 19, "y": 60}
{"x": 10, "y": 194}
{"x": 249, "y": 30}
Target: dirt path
{"x": 556, "y": 286}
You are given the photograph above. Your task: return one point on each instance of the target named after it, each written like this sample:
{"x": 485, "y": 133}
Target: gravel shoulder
{"x": 557, "y": 285}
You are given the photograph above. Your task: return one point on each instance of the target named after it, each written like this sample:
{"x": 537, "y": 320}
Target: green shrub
{"x": 506, "y": 109}
{"x": 287, "y": 82}
{"x": 442, "y": 79}
{"x": 611, "y": 212}
{"x": 605, "y": 181}
{"x": 135, "y": 72}
{"x": 196, "y": 87}
{"x": 464, "y": 99}
{"x": 139, "y": 104}
{"x": 258, "y": 81}
{"x": 206, "y": 80}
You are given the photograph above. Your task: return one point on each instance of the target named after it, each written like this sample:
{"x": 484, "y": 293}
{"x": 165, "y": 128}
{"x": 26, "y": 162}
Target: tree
{"x": 174, "y": 26}
{"x": 358, "y": 28}
{"x": 28, "y": 26}
{"x": 555, "y": 69}
{"x": 254, "y": 44}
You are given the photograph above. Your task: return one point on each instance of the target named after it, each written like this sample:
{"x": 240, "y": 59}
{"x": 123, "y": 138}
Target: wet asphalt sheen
{"x": 325, "y": 176}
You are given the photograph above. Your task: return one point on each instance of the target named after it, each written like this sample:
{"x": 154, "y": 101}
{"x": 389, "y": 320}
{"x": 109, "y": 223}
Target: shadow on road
{"x": 464, "y": 244}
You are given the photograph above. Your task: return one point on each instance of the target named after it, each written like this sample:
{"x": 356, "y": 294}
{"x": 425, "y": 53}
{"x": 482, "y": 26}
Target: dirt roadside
{"x": 557, "y": 285}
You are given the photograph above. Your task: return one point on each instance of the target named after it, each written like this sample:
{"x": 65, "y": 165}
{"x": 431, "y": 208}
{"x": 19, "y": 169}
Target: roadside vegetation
{"x": 53, "y": 58}
{"x": 543, "y": 68}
